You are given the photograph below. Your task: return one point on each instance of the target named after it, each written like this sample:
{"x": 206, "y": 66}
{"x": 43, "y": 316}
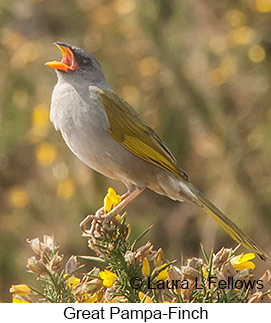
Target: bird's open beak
{"x": 67, "y": 63}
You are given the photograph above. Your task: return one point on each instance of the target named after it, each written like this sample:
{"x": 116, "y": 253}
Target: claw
{"x": 100, "y": 213}
{"x": 110, "y": 216}
{"x": 84, "y": 223}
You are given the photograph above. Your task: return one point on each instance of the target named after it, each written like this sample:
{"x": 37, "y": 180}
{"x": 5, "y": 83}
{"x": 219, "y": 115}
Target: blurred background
{"x": 197, "y": 71}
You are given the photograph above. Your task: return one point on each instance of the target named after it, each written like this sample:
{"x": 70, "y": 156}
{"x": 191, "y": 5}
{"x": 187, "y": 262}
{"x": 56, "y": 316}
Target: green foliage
{"x": 139, "y": 274}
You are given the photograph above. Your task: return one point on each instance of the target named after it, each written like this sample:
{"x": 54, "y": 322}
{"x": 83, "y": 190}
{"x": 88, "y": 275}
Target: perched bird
{"x": 109, "y": 136}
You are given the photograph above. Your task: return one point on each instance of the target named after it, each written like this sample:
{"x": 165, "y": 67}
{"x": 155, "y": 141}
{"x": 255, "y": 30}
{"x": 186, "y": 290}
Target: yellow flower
{"x": 256, "y": 53}
{"x": 18, "y": 300}
{"x": 111, "y": 200}
{"x": 65, "y": 189}
{"x": 108, "y": 278}
{"x": 145, "y": 267}
{"x": 263, "y": 5}
{"x": 123, "y": 7}
{"x": 18, "y": 196}
{"x": 118, "y": 217}
{"x": 46, "y": 154}
{"x": 144, "y": 298}
{"x": 71, "y": 281}
{"x": 40, "y": 115}
{"x": 40, "y": 122}
{"x": 204, "y": 269}
{"x": 91, "y": 299}
{"x": 163, "y": 274}
{"x": 21, "y": 290}
{"x": 148, "y": 66}
{"x": 242, "y": 261}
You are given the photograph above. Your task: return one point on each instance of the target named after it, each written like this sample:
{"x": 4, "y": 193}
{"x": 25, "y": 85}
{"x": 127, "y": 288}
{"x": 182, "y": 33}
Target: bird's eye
{"x": 86, "y": 62}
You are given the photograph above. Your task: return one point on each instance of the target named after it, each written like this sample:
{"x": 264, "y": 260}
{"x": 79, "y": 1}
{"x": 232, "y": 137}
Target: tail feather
{"x": 229, "y": 226}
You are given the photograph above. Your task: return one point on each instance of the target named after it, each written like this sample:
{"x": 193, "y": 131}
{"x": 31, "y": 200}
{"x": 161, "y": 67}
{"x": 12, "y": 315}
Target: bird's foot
{"x": 104, "y": 218}
{"x": 100, "y": 217}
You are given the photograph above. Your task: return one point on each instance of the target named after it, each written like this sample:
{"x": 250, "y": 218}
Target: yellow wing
{"x": 135, "y": 135}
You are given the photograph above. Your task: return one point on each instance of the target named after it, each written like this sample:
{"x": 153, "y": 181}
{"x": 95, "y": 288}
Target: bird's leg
{"x": 126, "y": 199}
{"x": 100, "y": 212}
{"x": 100, "y": 215}
{"x": 123, "y": 196}
{"x": 83, "y": 223}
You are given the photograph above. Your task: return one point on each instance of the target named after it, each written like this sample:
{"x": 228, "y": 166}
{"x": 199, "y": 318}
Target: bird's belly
{"x": 102, "y": 153}
{"x": 94, "y": 146}
{"x": 84, "y": 127}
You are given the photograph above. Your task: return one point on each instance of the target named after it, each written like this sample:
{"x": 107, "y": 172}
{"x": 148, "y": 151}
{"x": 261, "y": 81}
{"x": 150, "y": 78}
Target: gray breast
{"x": 80, "y": 116}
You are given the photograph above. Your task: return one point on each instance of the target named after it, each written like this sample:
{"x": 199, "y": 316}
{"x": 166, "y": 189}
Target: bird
{"x": 109, "y": 136}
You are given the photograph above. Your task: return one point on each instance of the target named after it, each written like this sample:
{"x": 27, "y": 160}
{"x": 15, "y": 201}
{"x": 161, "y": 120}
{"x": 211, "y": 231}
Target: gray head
{"x": 77, "y": 65}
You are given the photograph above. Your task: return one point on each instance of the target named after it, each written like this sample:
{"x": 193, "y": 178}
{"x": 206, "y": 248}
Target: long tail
{"x": 230, "y": 227}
